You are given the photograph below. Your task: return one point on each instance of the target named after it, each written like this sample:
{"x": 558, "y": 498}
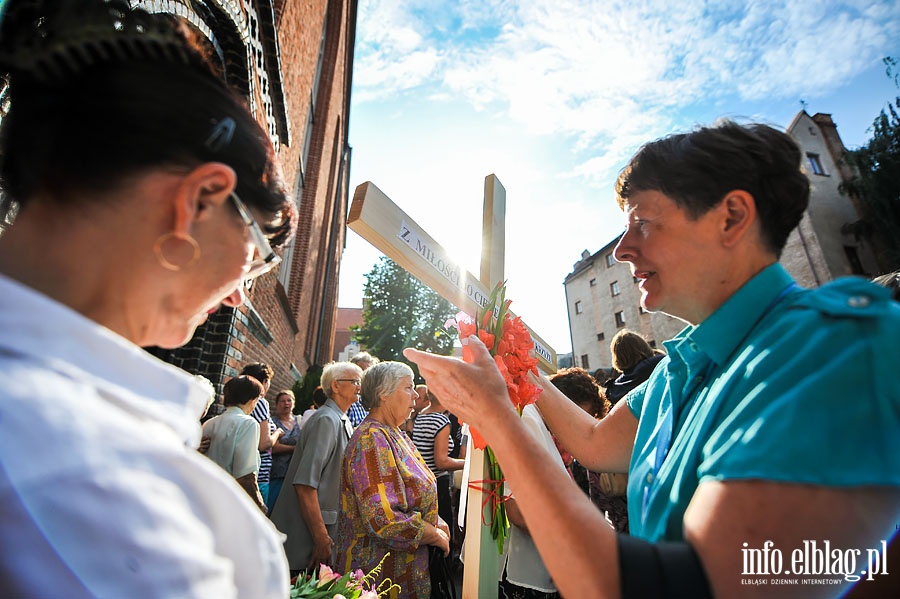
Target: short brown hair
{"x": 696, "y": 170}
{"x": 240, "y": 390}
{"x": 260, "y": 371}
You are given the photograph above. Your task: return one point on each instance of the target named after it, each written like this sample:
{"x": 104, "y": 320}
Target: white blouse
{"x": 103, "y": 493}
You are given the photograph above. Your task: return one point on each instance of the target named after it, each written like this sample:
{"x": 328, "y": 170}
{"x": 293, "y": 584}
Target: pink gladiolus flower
{"x": 326, "y": 575}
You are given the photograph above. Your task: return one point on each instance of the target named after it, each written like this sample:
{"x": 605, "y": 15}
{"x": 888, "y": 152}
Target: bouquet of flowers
{"x": 510, "y": 343}
{"x": 327, "y": 584}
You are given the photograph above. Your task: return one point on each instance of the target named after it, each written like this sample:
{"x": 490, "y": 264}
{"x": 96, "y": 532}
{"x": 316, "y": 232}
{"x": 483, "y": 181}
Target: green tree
{"x": 399, "y": 312}
{"x": 303, "y": 389}
{"x": 877, "y": 184}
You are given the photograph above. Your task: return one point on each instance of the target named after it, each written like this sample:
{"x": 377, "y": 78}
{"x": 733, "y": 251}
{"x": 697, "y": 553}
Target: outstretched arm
{"x": 571, "y": 534}
{"x": 600, "y": 445}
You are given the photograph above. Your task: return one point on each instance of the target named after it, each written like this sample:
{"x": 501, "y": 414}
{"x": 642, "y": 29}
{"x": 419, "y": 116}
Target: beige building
{"x": 603, "y": 297}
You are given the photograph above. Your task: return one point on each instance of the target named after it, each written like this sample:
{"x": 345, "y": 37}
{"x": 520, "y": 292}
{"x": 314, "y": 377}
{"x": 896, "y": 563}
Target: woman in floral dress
{"x": 388, "y": 494}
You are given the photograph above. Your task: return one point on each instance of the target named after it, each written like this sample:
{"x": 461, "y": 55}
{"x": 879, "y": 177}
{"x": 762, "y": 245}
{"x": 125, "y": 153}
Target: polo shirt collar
{"x": 331, "y": 405}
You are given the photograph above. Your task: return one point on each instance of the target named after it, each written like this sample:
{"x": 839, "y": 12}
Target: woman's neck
{"x": 66, "y": 261}
{"x": 383, "y": 416}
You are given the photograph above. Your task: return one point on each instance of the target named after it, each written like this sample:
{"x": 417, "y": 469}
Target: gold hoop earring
{"x": 168, "y": 264}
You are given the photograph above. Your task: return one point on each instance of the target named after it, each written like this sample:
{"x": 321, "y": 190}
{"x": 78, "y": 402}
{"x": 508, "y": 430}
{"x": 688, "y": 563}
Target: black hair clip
{"x": 221, "y": 134}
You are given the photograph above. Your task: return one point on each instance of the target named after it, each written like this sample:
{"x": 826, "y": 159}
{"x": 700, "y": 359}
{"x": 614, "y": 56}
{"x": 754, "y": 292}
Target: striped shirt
{"x": 425, "y": 429}
{"x": 260, "y": 413}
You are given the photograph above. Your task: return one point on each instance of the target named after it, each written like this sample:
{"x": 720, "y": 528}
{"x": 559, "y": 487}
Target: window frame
{"x": 815, "y": 164}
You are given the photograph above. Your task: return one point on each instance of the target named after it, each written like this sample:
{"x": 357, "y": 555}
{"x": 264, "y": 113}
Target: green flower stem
{"x": 499, "y": 520}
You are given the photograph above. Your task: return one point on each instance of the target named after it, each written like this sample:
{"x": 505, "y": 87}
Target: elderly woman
{"x": 234, "y": 435}
{"x": 388, "y": 494}
{"x": 289, "y": 425}
{"x": 146, "y": 196}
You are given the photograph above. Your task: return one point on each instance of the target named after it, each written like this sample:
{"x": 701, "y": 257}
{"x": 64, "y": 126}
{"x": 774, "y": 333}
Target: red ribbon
{"x": 489, "y": 488}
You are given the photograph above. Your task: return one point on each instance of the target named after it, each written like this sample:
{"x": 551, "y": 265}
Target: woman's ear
{"x": 207, "y": 186}
{"x": 739, "y": 214}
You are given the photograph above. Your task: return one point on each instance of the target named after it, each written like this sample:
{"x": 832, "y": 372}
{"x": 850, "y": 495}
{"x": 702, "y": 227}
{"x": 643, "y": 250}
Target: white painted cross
{"x": 383, "y": 224}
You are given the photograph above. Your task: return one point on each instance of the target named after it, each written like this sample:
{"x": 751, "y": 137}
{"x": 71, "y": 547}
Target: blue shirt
{"x": 780, "y": 384}
{"x": 357, "y": 413}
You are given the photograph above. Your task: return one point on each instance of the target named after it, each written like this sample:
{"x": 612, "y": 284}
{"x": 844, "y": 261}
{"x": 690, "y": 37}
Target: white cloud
{"x": 599, "y": 69}
{"x": 391, "y": 54}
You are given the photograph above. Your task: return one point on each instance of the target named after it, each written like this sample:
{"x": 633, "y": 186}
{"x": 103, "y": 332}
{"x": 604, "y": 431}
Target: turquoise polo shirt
{"x": 780, "y": 383}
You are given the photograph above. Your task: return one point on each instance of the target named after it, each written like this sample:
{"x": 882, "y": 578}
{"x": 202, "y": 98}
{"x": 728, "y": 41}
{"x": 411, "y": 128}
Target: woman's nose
{"x": 236, "y": 297}
{"x": 624, "y": 250}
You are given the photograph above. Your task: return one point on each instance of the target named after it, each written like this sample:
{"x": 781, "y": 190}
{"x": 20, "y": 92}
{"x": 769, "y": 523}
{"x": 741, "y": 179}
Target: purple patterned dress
{"x": 387, "y": 495}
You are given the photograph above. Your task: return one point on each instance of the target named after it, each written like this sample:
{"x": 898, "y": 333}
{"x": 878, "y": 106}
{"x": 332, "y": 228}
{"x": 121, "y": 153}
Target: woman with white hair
{"x": 388, "y": 494}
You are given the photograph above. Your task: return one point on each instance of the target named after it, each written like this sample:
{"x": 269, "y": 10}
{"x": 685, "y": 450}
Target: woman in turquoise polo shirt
{"x": 745, "y": 455}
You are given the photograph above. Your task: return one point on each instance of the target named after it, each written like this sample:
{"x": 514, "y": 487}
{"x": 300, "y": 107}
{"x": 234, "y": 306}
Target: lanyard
{"x": 664, "y": 436}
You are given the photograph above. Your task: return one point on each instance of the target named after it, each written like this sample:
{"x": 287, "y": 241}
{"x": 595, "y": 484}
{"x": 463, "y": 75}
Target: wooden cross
{"x": 383, "y": 224}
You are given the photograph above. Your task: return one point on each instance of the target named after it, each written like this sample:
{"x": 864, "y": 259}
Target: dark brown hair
{"x": 578, "y": 385}
{"x": 628, "y": 349}
{"x": 240, "y": 390}
{"x": 259, "y": 370}
{"x": 99, "y": 93}
{"x": 696, "y": 170}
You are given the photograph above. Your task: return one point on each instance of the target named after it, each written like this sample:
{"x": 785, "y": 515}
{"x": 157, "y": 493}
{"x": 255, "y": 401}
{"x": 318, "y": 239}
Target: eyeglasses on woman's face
{"x": 356, "y": 382}
{"x": 266, "y": 259}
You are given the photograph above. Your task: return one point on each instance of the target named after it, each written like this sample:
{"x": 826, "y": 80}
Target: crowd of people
{"x": 735, "y": 437}
{"x": 347, "y": 495}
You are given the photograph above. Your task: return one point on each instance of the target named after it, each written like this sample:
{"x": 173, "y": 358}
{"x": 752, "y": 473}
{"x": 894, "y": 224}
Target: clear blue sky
{"x": 554, "y": 96}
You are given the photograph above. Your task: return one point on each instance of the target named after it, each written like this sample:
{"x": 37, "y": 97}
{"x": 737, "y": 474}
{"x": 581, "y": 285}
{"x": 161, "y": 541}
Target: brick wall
{"x": 299, "y": 319}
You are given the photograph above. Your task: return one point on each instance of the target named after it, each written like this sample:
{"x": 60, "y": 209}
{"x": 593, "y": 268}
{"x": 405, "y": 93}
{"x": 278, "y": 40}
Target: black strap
{"x": 660, "y": 570}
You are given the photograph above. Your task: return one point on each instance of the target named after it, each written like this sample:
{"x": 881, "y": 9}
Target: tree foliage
{"x": 878, "y": 183}
{"x": 303, "y": 389}
{"x": 399, "y": 312}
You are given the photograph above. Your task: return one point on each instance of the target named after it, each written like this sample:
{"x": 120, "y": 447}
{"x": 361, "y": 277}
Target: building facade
{"x": 344, "y": 345}
{"x": 293, "y": 62}
{"x": 823, "y": 246}
{"x": 603, "y": 297}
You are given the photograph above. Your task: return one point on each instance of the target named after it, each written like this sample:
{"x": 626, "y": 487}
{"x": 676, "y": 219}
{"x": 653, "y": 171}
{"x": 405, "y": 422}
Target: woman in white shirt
{"x": 144, "y": 195}
{"x": 234, "y": 435}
